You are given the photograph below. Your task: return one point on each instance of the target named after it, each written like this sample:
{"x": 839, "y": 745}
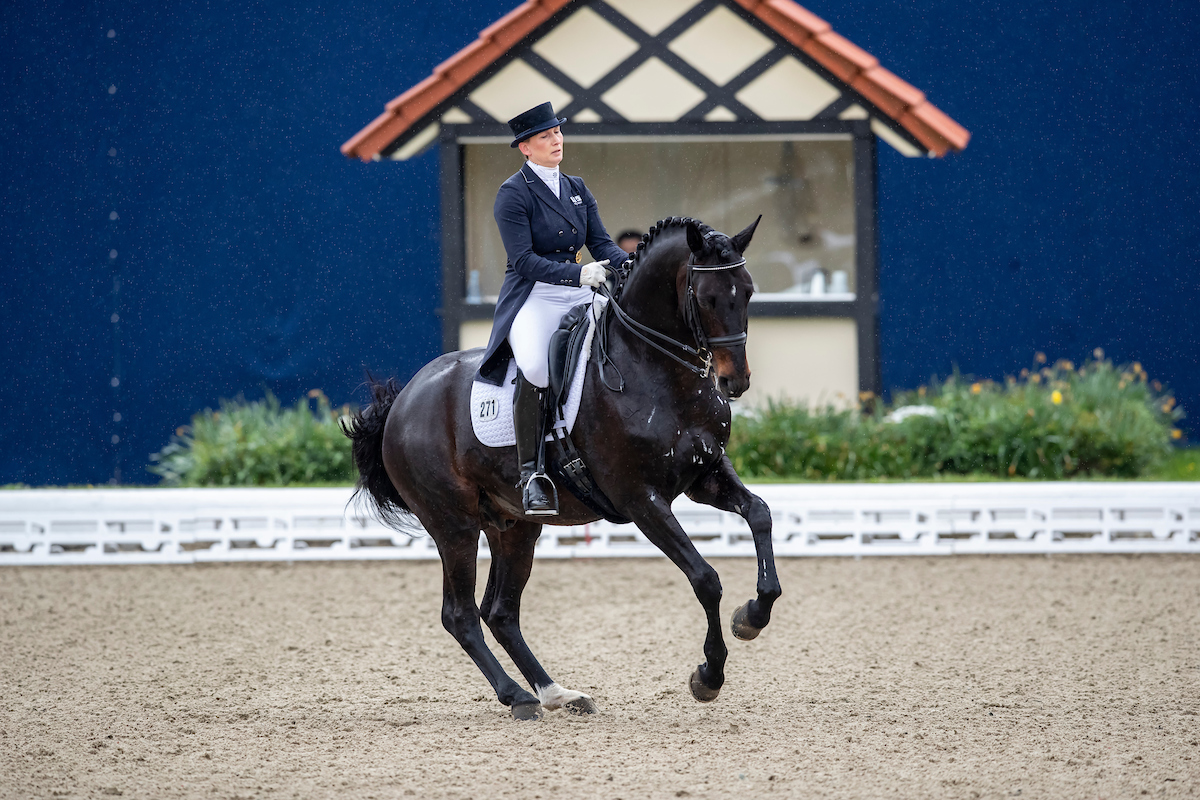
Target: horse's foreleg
{"x": 460, "y": 617}
{"x": 659, "y": 525}
{"x": 723, "y": 489}
{"x": 512, "y": 561}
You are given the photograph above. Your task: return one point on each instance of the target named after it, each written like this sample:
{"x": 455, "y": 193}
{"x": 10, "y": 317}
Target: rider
{"x": 545, "y": 219}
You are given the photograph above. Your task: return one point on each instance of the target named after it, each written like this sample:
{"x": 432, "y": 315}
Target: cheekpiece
{"x": 535, "y": 120}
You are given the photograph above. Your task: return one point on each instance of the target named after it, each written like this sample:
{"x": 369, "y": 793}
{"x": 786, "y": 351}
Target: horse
{"x": 659, "y": 432}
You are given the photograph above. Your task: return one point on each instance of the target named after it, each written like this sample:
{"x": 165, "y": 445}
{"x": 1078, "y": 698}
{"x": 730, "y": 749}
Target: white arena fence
{"x": 184, "y": 526}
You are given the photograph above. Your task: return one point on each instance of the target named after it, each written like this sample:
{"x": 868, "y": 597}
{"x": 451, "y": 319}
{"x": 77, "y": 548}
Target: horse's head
{"x": 722, "y": 299}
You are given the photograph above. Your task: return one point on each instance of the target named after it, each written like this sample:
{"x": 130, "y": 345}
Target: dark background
{"x": 247, "y": 253}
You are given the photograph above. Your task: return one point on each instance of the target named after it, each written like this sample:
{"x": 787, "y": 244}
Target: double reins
{"x": 704, "y": 342}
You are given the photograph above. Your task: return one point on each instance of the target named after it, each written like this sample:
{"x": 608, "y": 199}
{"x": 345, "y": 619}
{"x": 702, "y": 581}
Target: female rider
{"x": 545, "y": 219}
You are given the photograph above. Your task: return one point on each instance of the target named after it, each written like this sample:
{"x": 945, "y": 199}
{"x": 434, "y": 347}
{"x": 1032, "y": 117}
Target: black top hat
{"x": 535, "y": 120}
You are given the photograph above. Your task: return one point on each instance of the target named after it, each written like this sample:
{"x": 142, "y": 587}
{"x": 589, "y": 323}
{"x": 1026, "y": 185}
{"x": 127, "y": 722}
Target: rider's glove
{"x": 593, "y": 274}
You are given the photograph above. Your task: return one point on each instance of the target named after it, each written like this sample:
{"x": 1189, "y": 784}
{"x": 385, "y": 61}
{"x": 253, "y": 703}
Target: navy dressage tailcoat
{"x": 543, "y": 236}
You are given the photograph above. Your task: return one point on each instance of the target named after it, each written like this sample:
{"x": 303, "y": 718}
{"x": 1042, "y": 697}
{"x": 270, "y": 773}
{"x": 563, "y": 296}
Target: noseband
{"x": 691, "y": 313}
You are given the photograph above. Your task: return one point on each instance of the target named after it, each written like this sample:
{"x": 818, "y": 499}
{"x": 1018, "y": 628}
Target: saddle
{"x": 567, "y": 465}
{"x": 566, "y": 344}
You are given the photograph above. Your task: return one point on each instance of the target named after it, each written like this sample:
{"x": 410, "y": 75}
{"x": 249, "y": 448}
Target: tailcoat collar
{"x": 562, "y": 204}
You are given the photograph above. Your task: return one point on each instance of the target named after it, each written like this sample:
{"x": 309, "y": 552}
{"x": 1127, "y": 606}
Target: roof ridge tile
{"x": 798, "y": 15}
{"x": 893, "y": 83}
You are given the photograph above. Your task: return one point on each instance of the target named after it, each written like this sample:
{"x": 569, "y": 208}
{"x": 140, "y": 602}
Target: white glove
{"x": 593, "y": 274}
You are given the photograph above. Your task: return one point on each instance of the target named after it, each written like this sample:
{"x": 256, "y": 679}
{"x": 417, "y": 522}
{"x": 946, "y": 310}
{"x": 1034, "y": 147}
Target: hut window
{"x": 804, "y": 188}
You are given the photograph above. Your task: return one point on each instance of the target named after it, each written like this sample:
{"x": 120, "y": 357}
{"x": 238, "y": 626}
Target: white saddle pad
{"x": 492, "y": 406}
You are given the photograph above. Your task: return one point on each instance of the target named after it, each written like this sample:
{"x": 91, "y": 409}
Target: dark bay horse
{"x": 662, "y": 434}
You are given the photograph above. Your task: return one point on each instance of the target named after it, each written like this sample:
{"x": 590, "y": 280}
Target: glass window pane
{"x": 804, "y": 248}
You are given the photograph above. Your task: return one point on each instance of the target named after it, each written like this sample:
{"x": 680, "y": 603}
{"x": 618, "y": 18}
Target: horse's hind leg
{"x": 723, "y": 489}
{"x": 460, "y": 616}
{"x": 512, "y": 561}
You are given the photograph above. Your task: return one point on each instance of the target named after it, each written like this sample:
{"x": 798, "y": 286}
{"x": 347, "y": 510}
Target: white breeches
{"x": 529, "y": 336}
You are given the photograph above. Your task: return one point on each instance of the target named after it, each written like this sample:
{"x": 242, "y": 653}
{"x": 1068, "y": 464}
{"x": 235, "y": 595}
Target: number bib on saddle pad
{"x": 492, "y": 406}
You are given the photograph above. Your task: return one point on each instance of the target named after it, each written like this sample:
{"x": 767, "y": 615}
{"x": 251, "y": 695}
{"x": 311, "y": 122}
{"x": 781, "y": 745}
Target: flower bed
{"x": 1052, "y": 422}
{"x": 259, "y": 443}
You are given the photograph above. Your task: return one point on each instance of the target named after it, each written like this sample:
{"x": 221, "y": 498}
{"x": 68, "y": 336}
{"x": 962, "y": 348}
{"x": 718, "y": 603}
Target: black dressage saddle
{"x": 566, "y": 348}
{"x": 567, "y": 466}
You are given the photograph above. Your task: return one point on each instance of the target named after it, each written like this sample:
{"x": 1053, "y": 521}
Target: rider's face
{"x": 544, "y": 149}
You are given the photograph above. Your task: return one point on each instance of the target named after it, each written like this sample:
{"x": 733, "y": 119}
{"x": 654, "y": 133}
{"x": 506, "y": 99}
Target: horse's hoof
{"x": 581, "y": 707}
{"x": 740, "y": 624}
{"x": 700, "y": 691}
{"x": 527, "y": 712}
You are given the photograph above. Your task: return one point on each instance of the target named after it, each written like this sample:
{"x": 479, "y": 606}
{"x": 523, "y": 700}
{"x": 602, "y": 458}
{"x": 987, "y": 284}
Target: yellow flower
{"x": 976, "y": 388}
{"x": 1035, "y": 378}
{"x": 1056, "y": 397}
{"x": 1098, "y": 353}
{"x": 1040, "y": 358}
{"x": 1176, "y": 433}
{"x": 920, "y": 391}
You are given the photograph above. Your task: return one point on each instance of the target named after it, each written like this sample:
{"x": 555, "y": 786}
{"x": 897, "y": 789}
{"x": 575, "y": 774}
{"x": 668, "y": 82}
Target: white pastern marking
{"x": 555, "y": 696}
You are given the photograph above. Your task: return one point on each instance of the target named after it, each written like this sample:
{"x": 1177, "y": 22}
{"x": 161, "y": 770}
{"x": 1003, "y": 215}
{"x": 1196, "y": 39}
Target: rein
{"x": 704, "y": 342}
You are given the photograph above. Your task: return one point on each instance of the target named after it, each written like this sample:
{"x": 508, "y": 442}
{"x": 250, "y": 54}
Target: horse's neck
{"x": 651, "y": 294}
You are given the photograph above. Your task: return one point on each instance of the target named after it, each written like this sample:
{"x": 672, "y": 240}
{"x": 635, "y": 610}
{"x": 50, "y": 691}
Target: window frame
{"x": 864, "y": 309}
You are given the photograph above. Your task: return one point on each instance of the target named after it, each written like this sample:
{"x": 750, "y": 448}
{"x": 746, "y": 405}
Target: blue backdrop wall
{"x": 180, "y": 227}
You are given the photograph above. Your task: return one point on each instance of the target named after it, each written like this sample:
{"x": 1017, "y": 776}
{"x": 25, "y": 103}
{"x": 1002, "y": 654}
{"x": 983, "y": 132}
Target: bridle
{"x": 691, "y": 313}
{"x": 691, "y": 308}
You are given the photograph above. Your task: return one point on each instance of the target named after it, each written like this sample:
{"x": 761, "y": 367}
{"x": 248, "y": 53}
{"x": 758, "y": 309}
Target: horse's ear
{"x": 695, "y": 239}
{"x": 742, "y": 240}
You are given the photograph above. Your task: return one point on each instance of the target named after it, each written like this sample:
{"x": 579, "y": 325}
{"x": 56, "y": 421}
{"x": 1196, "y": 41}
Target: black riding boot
{"x": 539, "y": 496}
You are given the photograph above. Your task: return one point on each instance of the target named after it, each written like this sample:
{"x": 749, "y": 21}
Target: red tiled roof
{"x": 891, "y": 95}
{"x": 856, "y": 67}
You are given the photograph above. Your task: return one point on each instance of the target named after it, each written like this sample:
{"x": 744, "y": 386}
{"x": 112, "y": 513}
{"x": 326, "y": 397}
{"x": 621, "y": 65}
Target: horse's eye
{"x": 707, "y": 302}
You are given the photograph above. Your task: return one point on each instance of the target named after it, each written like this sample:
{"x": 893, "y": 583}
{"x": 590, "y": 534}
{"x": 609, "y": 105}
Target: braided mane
{"x": 657, "y": 229}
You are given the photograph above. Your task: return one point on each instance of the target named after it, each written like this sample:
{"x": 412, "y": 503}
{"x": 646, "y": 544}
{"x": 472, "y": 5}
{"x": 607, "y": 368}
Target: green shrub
{"x": 259, "y": 444}
{"x": 1051, "y": 423}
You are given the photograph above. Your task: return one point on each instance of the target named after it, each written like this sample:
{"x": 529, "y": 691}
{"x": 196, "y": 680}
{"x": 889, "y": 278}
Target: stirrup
{"x": 550, "y": 506}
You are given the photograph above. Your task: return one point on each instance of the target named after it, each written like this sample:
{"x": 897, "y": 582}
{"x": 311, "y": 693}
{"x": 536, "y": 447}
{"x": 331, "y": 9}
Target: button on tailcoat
{"x": 542, "y": 235}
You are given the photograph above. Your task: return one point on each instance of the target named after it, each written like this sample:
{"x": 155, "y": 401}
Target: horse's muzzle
{"x": 733, "y": 387}
{"x": 733, "y": 372}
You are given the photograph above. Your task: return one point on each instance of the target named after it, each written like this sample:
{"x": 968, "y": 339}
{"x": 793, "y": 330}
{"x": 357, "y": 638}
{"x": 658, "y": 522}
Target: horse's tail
{"x": 365, "y": 430}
